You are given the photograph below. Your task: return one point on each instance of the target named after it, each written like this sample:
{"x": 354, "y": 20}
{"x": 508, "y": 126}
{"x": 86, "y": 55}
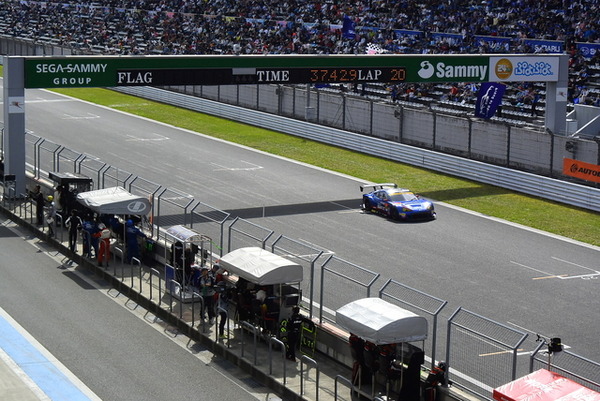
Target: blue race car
{"x": 396, "y": 203}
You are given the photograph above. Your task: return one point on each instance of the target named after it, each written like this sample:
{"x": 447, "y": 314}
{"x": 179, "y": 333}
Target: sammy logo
{"x": 426, "y": 70}
{"x": 451, "y": 72}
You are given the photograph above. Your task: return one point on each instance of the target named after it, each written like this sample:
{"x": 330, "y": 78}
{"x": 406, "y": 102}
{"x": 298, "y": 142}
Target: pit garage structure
{"x": 113, "y": 71}
{"x": 385, "y": 331}
{"x": 181, "y": 268}
{"x": 257, "y": 269}
{"x": 115, "y": 201}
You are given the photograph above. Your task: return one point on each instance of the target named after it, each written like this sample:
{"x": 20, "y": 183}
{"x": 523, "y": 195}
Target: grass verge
{"x": 571, "y": 222}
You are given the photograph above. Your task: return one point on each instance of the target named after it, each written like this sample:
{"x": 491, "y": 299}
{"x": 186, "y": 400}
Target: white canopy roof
{"x": 261, "y": 267}
{"x": 185, "y": 234}
{"x": 115, "y": 200}
{"x": 381, "y": 322}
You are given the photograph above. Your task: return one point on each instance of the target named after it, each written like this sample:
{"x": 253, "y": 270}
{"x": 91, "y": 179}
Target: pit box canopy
{"x": 380, "y": 322}
{"x": 544, "y": 385}
{"x": 261, "y": 267}
{"x": 115, "y": 200}
{"x": 186, "y": 235}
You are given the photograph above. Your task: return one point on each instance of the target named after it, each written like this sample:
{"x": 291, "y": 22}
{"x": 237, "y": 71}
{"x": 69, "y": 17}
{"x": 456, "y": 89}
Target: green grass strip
{"x": 571, "y": 222}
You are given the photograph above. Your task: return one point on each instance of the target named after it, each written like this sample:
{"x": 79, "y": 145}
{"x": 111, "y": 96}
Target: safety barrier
{"x": 567, "y": 364}
{"x": 254, "y": 330}
{"x": 275, "y": 340}
{"x": 307, "y": 256}
{"x": 249, "y": 235}
{"x": 210, "y": 221}
{"x": 354, "y": 282}
{"x": 306, "y": 360}
{"x": 418, "y": 301}
{"x": 484, "y": 337}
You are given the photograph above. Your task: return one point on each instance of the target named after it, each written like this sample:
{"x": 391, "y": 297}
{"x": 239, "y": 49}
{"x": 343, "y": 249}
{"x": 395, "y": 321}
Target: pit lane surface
{"x": 113, "y": 346}
{"x": 526, "y": 279}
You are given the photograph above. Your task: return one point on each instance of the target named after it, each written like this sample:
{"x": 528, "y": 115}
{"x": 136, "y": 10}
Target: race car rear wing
{"x": 378, "y": 186}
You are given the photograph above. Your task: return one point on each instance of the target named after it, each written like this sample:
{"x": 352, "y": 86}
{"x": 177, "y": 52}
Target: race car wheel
{"x": 394, "y": 214}
{"x": 366, "y": 205}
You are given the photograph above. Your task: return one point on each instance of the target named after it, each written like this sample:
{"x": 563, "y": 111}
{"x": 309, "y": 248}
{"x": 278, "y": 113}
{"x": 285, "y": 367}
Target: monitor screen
{"x": 292, "y": 300}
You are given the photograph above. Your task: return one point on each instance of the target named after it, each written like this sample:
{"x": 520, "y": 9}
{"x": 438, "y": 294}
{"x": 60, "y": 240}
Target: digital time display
{"x": 233, "y": 76}
{"x": 329, "y": 75}
{"x": 341, "y": 75}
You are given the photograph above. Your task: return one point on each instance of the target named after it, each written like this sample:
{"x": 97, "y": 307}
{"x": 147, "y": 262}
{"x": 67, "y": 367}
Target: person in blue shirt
{"x": 90, "y": 239}
{"x": 131, "y": 237}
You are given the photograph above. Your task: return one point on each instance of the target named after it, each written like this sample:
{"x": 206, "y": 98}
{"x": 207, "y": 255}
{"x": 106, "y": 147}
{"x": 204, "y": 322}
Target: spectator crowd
{"x": 310, "y": 27}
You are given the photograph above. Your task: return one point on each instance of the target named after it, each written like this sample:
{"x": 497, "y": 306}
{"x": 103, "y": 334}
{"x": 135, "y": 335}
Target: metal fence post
{"x": 314, "y": 363}
{"x": 275, "y": 340}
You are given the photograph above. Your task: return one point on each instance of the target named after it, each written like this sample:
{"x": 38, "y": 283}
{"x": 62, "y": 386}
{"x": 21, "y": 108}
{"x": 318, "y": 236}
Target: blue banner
{"x": 495, "y": 43}
{"x": 588, "y": 50}
{"x": 348, "y": 30}
{"x": 488, "y": 99}
{"x": 545, "y": 46}
{"x": 401, "y": 33}
{"x": 451, "y": 38}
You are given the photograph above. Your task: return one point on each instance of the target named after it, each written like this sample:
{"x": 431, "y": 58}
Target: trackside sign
{"x": 523, "y": 69}
{"x": 71, "y": 74}
{"x": 579, "y": 169}
{"x": 112, "y": 71}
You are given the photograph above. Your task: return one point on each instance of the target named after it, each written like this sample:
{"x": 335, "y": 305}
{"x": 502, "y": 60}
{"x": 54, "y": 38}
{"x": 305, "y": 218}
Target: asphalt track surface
{"x": 72, "y": 328}
{"x": 526, "y": 279}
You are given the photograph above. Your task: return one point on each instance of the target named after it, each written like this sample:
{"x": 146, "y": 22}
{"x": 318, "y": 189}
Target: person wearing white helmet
{"x": 103, "y": 235}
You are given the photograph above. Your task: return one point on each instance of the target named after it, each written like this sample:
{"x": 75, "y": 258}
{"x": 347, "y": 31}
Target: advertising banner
{"x": 523, "y": 69}
{"x": 588, "y": 50}
{"x": 488, "y": 99}
{"x": 452, "y": 38}
{"x": 109, "y": 71}
{"x": 401, "y": 33}
{"x": 579, "y": 169}
{"x": 498, "y": 44}
{"x": 348, "y": 28}
{"x": 450, "y": 68}
{"x": 545, "y": 46}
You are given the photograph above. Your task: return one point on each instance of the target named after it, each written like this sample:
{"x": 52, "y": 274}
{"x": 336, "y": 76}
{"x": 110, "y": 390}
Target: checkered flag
{"x": 373, "y": 48}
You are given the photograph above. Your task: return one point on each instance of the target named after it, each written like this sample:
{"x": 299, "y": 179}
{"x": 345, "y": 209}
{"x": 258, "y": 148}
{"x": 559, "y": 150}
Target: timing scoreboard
{"x": 112, "y": 71}
{"x": 76, "y": 72}
{"x": 232, "y": 76}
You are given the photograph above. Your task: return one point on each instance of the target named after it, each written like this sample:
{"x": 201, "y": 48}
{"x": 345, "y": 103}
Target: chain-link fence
{"x": 567, "y": 364}
{"x": 481, "y": 353}
{"x": 341, "y": 283}
{"x": 244, "y": 233}
{"x": 210, "y": 221}
{"x": 306, "y": 256}
{"x": 418, "y": 302}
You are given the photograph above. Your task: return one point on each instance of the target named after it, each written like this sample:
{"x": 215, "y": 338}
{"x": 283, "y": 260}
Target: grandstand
{"x": 313, "y": 27}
